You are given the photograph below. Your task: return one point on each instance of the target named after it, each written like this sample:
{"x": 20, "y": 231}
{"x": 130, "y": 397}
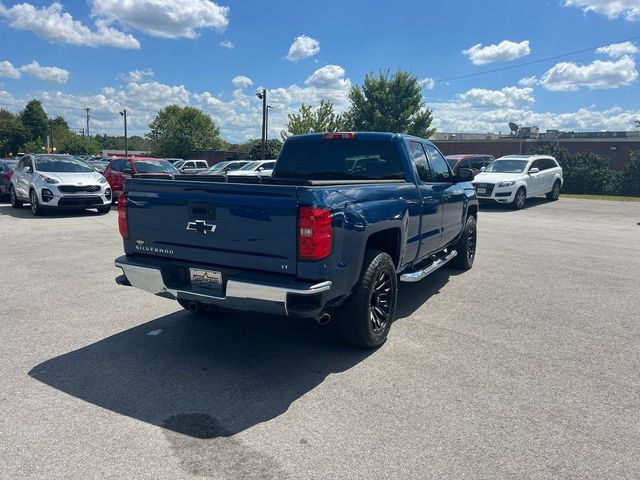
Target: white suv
{"x": 514, "y": 178}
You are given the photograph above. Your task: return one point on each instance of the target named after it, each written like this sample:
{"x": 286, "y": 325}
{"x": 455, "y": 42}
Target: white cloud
{"x": 569, "y": 77}
{"x": 8, "y": 70}
{"x": 507, "y": 97}
{"x": 459, "y": 117}
{"x": 629, "y": 9}
{"x": 241, "y": 81}
{"x": 328, "y": 77}
{"x": 428, "y": 83}
{"x": 7, "y": 100}
{"x": 138, "y": 75}
{"x": 616, "y": 50}
{"x": 504, "y": 51}
{"x": 48, "y": 74}
{"x": 166, "y": 18}
{"x": 528, "y": 81}
{"x": 303, "y": 47}
{"x": 228, "y": 44}
{"x": 239, "y": 113}
{"x": 53, "y": 25}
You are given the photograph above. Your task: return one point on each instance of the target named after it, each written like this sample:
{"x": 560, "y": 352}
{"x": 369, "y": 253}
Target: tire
{"x": 105, "y": 209}
{"x": 36, "y": 208}
{"x": 520, "y": 199}
{"x": 466, "y": 246}
{"x": 365, "y": 318}
{"x": 13, "y": 198}
{"x": 554, "y": 194}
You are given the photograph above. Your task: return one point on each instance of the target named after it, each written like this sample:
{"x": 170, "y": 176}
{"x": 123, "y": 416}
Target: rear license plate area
{"x": 209, "y": 280}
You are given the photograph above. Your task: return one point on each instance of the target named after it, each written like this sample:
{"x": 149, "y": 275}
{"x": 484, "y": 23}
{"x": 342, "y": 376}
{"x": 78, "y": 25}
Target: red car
{"x": 121, "y": 168}
{"x": 474, "y": 161}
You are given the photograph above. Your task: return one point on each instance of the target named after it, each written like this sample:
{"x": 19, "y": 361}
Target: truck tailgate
{"x": 225, "y": 224}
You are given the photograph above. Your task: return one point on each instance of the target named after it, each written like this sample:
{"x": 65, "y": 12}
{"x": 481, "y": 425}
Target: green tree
{"x": 134, "y": 142}
{"x": 272, "y": 149}
{"x": 630, "y": 182}
{"x": 309, "y": 120}
{"x": 13, "y": 134}
{"x": 78, "y": 145}
{"x": 177, "y": 131}
{"x": 390, "y": 104}
{"x": 583, "y": 172}
{"x": 35, "y": 120}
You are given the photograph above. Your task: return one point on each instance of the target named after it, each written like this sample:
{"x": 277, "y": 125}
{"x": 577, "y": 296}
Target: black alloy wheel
{"x": 379, "y": 307}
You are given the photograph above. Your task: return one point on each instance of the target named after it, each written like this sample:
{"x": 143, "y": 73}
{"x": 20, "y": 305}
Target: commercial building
{"x": 613, "y": 146}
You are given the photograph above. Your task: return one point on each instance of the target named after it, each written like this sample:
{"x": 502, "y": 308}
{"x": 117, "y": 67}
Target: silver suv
{"x": 56, "y": 182}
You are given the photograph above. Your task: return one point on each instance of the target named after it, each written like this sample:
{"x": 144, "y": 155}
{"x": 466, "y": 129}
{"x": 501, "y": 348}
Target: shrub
{"x": 630, "y": 181}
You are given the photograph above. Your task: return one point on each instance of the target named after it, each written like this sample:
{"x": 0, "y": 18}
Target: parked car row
{"x": 48, "y": 181}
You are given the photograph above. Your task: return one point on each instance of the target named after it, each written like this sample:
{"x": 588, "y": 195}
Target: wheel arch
{"x": 389, "y": 241}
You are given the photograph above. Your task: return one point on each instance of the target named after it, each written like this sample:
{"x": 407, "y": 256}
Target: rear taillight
{"x": 339, "y": 135}
{"x": 8, "y": 175}
{"x": 314, "y": 233}
{"x": 123, "y": 224}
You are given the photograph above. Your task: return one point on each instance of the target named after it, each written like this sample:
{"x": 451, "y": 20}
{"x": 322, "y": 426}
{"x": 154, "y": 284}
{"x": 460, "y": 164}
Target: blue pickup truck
{"x": 343, "y": 218}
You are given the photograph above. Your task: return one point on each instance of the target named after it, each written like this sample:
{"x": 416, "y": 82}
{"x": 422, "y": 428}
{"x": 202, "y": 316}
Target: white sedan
{"x": 254, "y": 169}
{"x": 514, "y": 178}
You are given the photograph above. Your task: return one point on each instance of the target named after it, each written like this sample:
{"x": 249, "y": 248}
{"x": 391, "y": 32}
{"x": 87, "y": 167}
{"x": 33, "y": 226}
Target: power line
{"x": 533, "y": 62}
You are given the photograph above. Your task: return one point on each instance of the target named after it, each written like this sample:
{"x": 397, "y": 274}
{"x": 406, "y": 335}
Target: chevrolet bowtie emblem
{"x": 201, "y": 227}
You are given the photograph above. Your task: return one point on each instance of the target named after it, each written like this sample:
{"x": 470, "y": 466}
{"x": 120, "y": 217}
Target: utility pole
{"x": 266, "y": 128}
{"x": 87, "y": 110}
{"x": 263, "y": 96}
{"x": 126, "y": 147}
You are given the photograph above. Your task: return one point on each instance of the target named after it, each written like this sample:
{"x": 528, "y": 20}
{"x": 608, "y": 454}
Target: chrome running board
{"x": 420, "y": 274}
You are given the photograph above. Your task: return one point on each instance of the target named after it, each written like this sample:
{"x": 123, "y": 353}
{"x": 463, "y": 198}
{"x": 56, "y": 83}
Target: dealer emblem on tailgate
{"x": 200, "y": 226}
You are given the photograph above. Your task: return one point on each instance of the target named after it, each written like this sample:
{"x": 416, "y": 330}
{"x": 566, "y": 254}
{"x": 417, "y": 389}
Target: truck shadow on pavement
{"x": 206, "y": 378}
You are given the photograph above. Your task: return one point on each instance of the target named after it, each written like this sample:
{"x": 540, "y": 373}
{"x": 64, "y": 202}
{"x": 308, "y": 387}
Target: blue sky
{"x": 144, "y": 54}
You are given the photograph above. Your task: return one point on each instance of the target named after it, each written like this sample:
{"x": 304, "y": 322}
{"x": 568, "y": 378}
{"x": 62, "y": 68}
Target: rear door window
{"x": 419, "y": 159}
{"x": 439, "y": 168}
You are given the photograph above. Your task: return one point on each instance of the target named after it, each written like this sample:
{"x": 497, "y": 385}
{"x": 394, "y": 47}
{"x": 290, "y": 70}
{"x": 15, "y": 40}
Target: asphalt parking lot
{"x": 527, "y": 366}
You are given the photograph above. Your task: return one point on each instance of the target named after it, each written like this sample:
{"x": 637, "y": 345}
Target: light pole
{"x": 126, "y": 148}
{"x": 87, "y": 110}
{"x": 263, "y": 96}
{"x": 266, "y": 128}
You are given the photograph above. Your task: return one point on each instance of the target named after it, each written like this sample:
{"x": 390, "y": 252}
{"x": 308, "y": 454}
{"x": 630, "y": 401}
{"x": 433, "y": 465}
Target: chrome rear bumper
{"x": 293, "y": 298}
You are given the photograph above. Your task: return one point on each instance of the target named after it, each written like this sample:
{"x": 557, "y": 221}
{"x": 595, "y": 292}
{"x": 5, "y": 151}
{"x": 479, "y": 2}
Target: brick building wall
{"x": 616, "y": 151}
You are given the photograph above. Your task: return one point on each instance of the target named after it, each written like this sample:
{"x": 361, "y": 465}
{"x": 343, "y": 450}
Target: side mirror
{"x": 464, "y": 175}
{"x": 260, "y": 169}
{"x": 483, "y": 169}
{"x": 127, "y": 170}
{"x": 27, "y": 170}
{"x": 533, "y": 170}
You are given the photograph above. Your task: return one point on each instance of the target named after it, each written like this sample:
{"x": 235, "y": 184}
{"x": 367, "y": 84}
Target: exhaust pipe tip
{"x": 193, "y": 307}
{"x": 323, "y": 318}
